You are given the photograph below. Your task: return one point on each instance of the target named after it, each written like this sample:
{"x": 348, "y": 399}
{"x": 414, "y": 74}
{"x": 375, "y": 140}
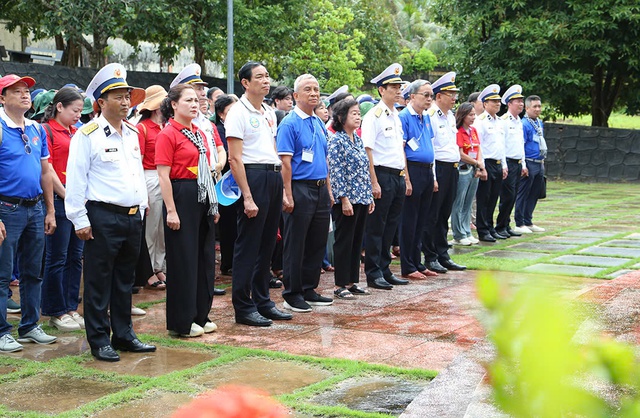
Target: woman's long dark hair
{"x": 463, "y": 110}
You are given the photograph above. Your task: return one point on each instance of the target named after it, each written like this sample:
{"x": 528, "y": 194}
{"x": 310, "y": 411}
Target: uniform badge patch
{"x": 254, "y": 122}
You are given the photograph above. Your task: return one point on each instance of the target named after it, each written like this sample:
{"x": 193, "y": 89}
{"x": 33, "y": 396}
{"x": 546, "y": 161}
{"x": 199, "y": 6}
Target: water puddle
{"x": 160, "y": 405}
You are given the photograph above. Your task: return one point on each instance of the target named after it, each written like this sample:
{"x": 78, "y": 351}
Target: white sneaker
{"x": 534, "y": 228}
{"x": 209, "y": 327}
{"x": 196, "y": 331}
{"x": 8, "y": 344}
{"x": 38, "y": 336}
{"x": 473, "y": 239}
{"x": 521, "y": 230}
{"x": 78, "y": 318}
{"x": 64, "y": 323}
{"x": 137, "y": 311}
{"x": 463, "y": 241}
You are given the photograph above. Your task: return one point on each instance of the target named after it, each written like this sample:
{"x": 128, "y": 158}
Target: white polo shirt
{"x": 382, "y": 133}
{"x": 445, "y": 146}
{"x": 256, "y": 130}
{"x": 491, "y": 133}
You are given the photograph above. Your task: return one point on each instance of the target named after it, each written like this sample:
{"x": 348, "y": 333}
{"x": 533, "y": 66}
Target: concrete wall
{"x": 584, "y": 153}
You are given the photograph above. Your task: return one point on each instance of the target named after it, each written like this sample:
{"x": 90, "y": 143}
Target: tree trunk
{"x": 607, "y": 86}
{"x": 198, "y": 51}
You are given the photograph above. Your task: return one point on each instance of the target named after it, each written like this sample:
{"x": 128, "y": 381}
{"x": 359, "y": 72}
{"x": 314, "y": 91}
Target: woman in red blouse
{"x": 471, "y": 169}
{"x": 190, "y": 213}
{"x": 63, "y": 249}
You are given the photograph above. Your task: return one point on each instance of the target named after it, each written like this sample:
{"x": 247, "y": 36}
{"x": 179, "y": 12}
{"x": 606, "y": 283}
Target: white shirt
{"x": 256, "y": 130}
{"x": 513, "y": 137}
{"x": 205, "y": 125}
{"x": 382, "y": 133}
{"x": 491, "y": 133}
{"x": 445, "y": 146}
{"x": 105, "y": 167}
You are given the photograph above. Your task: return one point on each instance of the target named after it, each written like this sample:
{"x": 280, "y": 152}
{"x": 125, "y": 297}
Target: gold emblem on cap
{"x": 117, "y": 72}
{"x": 397, "y": 70}
{"x": 453, "y": 79}
{"x": 495, "y": 90}
{"x": 197, "y": 72}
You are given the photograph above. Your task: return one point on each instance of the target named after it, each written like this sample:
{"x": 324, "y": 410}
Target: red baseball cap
{"x": 11, "y": 79}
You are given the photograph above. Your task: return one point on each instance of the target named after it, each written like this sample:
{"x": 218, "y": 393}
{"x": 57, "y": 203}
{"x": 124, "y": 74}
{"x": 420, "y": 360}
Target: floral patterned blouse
{"x": 349, "y": 169}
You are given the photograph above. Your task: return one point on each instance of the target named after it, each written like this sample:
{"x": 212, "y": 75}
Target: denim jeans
{"x": 62, "y": 267}
{"x": 25, "y": 235}
{"x": 461, "y": 213}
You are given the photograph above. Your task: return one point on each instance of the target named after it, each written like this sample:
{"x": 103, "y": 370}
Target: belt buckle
{"x": 456, "y": 165}
{"x": 498, "y": 161}
{"x": 401, "y": 173}
{"x": 133, "y": 211}
{"x": 519, "y": 161}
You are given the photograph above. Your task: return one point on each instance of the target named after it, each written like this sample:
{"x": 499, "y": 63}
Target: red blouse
{"x": 147, "y": 138}
{"x": 469, "y": 142}
{"x": 59, "y": 147}
{"x": 173, "y": 149}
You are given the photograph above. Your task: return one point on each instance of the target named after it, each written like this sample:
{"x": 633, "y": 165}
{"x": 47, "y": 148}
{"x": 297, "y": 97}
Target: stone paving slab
{"x": 542, "y": 247}
{"x": 158, "y": 405}
{"x": 623, "y": 243}
{"x": 635, "y": 236}
{"x": 517, "y": 255}
{"x": 67, "y": 345}
{"x": 561, "y": 269}
{"x": 588, "y": 234}
{"x": 612, "y": 251}
{"x": 619, "y": 273}
{"x": 591, "y": 260}
{"x": 567, "y": 240}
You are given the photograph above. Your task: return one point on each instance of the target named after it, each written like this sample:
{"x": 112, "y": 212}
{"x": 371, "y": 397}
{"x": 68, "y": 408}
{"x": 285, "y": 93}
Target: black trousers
{"x": 487, "y": 197}
{"x": 191, "y": 260}
{"x": 228, "y": 228}
{"x": 144, "y": 269}
{"x": 382, "y": 224}
{"x": 255, "y": 242}
{"x": 109, "y": 266}
{"x": 434, "y": 239}
{"x": 414, "y": 217}
{"x": 508, "y": 194}
{"x": 305, "y": 238}
{"x": 348, "y": 243}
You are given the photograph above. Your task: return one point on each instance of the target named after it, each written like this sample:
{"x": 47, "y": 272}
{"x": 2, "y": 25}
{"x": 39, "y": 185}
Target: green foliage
{"x": 540, "y": 370}
{"x": 417, "y": 64}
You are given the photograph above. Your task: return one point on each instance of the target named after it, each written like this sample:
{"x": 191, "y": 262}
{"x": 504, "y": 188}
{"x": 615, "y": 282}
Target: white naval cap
{"x": 405, "y": 90}
{"x": 513, "y": 92}
{"x": 391, "y": 75}
{"x": 110, "y": 77}
{"x": 491, "y": 92}
{"x": 332, "y": 97}
{"x": 191, "y": 74}
{"x": 445, "y": 83}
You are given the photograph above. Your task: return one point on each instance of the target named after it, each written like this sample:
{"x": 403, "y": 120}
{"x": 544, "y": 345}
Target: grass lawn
{"x": 617, "y": 120}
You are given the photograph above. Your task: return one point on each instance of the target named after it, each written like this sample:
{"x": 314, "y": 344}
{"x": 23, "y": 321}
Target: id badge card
{"x": 307, "y": 155}
{"x": 473, "y": 154}
{"x": 413, "y": 144}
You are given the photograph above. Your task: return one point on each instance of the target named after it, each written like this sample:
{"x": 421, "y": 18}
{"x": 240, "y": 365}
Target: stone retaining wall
{"x": 585, "y": 153}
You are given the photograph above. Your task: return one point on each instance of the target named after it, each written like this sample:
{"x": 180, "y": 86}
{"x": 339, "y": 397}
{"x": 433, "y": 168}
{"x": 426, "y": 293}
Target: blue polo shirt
{"x": 304, "y": 137}
{"x": 420, "y": 132}
{"x": 20, "y": 173}
{"x": 531, "y": 147}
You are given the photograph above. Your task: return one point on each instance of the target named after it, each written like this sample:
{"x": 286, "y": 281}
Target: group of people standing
{"x": 142, "y": 200}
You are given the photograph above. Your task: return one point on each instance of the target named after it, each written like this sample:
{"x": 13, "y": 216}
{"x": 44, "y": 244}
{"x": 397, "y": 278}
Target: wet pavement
{"x": 431, "y": 324}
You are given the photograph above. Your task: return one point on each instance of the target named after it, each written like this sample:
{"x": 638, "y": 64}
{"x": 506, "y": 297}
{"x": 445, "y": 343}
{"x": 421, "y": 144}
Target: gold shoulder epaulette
{"x": 505, "y": 116}
{"x": 88, "y": 128}
{"x": 378, "y": 112}
{"x": 483, "y": 116}
{"x": 431, "y": 112}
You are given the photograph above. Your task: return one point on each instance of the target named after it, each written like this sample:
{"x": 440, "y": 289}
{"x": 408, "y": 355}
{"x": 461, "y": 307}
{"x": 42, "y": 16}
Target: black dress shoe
{"x": 486, "y": 238}
{"x": 106, "y": 353}
{"x": 275, "y": 314}
{"x": 379, "y": 283}
{"x": 497, "y": 235}
{"x": 219, "y": 292}
{"x": 436, "y": 266}
{"x": 395, "y": 280}
{"x": 449, "y": 264}
{"x": 513, "y": 233}
{"x": 134, "y": 346}
{"x": 253, "y": 319}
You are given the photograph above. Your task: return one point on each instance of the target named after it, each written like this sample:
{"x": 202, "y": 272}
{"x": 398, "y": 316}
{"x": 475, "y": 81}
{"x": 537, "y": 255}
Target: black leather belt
{"x": 418, "y": 164}
{"x": 393, "y": 171}
{"x": 533, "y": 160}
{"x": 20, "y": 201}
{"x": 464, "y": 166}
{"x": 267, "y": 167}
{"x": 454, "y": 165}
{"x": 514, "y": 160}
{"x": 491, "y": 160}
{"x": 316, "y": 183}
{"x": 123, "y": 210}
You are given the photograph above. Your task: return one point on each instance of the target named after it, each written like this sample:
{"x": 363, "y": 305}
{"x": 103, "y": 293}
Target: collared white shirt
{"x": 513, "y": 137}
{"x": 256, "y": 130}
{"x": 205, "y": 125}
{"x": 491, "y": 132}
{"x": 445, "y": 147}
{"x": 382, "y": 133}
{"x": 105, "y": 167}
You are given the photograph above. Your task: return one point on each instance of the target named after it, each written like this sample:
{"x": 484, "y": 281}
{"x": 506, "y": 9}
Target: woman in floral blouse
{"x": 351, "y": 188}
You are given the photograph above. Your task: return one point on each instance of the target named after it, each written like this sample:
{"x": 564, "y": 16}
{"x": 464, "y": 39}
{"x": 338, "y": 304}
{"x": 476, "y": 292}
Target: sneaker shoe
{"x": 137, "y": 311}
{"x": 196, "y": 331}
{"x": 522, "y": 230}
{"x": 318, "y": 300}
{"x": 8, "y": 344}
{"x": 463, "y": 241}
{"x": 473, "y": 239}
{"x": 297, "y": 306}
{"x": 12, "y": 306}
{"x": 209, "y": 327}
{"x": 38, "y": 336}
{"x": 64, "y": 323}
{"x": 534, "y": 228}
{"x": 78, "y": 318}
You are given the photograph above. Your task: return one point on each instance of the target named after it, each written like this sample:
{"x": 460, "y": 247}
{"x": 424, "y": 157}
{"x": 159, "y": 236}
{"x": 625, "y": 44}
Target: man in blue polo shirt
{"x": 25, "y": 178}
{"x": 302, "y": 146}
{"x": 418, "y": 147}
